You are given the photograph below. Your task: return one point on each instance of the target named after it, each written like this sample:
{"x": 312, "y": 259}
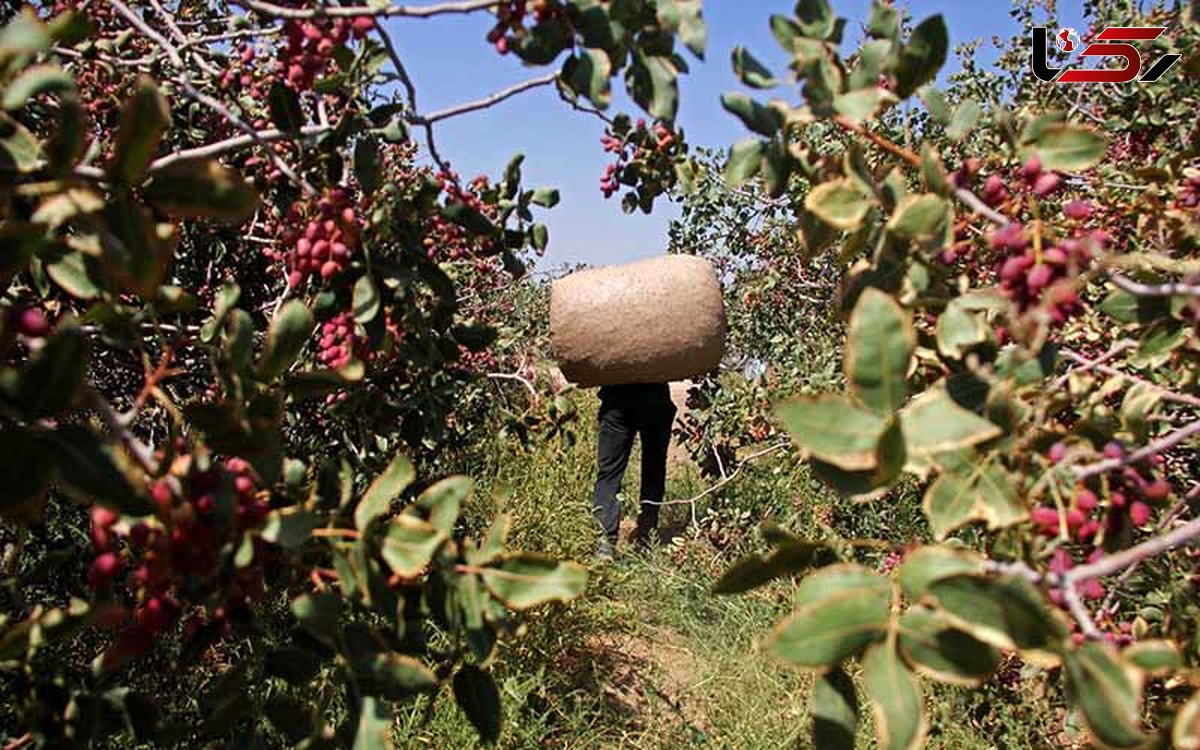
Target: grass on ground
{"x": 648, "y": 658}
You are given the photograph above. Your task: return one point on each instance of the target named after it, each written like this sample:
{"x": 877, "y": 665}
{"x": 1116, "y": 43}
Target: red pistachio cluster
{"x": 445, "y": 240}
{"x": 243, "y": 76}
{"x": 1132, "y": 493}
{"x": 324, "y": 244}
{"x": 180, "y": 558}
{"x": 310, "y": 46}
{"x": 642, "y": 144}
{"x": 1029, "y": 275}
{"x": 1031, "y": 178}
{"x": 510, "y": 20}
{"x": 340, "y": 342}
{"x": 1188, "y": 196}
{"x": 1087, "y": 521}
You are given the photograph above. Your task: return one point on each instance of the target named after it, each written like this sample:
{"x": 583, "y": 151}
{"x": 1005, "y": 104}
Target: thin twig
{"x": 733, "y": 475}
{"x": 260, "y": 137}
{"x": 484, "y": 103}
{"x": 996, "y": 568}
{"x": 878, "y": 140}
{"x": 1165, "y": 393}
{"x": 1110, "y": 600}
{"x": 1091, "y": 364}
{"x": 214, "y": 149}
{"x": 525, "y": 381}
{"x": 398, "y": 64}
{"x": 573, "y": 100}
{"x": 186, "y": 81}
{"x": 1171, "y": 289}
{"x": 1079, "y": 611}
{"x": 228, "y": 35}
{"x": 1106, "y": 566}
{"x": 1167, "y": 442}
{"x": 181, "y": 38}
{"x": 974, "y": 202}
{"x": 411, "y": 91}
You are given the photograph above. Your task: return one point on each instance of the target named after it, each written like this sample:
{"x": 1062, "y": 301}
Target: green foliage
{"x": 979, "y": 313}
{"x": 236, "y": 316}
{"x": 979, "y": 285}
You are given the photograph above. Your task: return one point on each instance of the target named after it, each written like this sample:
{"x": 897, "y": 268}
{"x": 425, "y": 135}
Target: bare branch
{"x": 1098, "y": 366}
{"x": 1091, "y": 364}
{"x": 1114, "y": 563}
{"x": 1110, "y": 600}
{"x": 228, "y": 35}
{"x": 996, "y": 568}
{"x": 140, "y": 453}
{"x": 732, "y": 475}
{"x": 976, "y": 204}
{"x": 1127, "y": 284}
{"x": 260, "y": 137}
{"x": 1167, "y": 442}
{"x": 443, "y": 165}
{"x": 411, "y": 91}
{"x": 489, "y": 101}
{"x": 398, "y": 64}
{"x": 419, "y": 11}
{"x": 585, "y": 108}
{"x": 182, "y": 39}
{"x": 186, "y": 81}
{"x": 214, "y": 149}
{"x": 1079, "y": 611}
{"x": 524, "y": 381}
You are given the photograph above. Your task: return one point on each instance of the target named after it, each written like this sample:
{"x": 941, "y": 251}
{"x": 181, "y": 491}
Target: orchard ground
{"x": 648, "y": 657}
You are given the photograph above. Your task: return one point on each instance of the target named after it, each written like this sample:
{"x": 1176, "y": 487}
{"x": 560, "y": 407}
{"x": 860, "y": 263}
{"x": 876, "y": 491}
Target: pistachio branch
{"x": 185, "y": 80}
{"x": 1110, "y": 600}
{"x": 1118, "y": 561}
{"x": 1087, "y": 365}
{"x": 216, "y": 148}
{"x": 1170, "y": 289}
{"x": 691, "y": 501}
{"x": 972, "y": 201}
{"x": 518, "y": 378}
{"x": 1099, "y": 366}
{"x": 484, "y": 103}
{"x": 1168, "y": 441}
{"x": 578, "y": 107}
{"x": 182, "y": 39}
{"x": 398, "y": 64}
{"x": 1078, "y": 610}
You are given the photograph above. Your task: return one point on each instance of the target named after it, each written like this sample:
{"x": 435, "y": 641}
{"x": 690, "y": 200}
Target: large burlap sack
{"x": 652, "y": 321}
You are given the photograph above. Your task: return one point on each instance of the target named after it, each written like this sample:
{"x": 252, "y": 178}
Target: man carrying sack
{"x": 636, "y": 409}
{"x": 632, "y": 329}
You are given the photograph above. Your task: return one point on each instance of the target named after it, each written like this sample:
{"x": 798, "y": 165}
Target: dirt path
{"x": 648, "y": 678}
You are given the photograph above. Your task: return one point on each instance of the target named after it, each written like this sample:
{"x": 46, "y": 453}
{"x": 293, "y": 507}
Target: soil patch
{"x": 649, "y": 678}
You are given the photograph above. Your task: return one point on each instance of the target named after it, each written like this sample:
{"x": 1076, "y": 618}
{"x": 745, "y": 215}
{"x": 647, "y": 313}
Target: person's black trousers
{"x": 627, "y": 411}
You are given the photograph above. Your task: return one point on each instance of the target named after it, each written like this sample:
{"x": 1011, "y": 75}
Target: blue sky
{"x": 451, "y": 62}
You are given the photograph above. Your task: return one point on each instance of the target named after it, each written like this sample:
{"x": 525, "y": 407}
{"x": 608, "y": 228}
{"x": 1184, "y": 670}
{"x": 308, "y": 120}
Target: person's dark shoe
{"x": 605, "y": 551}
{"x": 644, "y": 537}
